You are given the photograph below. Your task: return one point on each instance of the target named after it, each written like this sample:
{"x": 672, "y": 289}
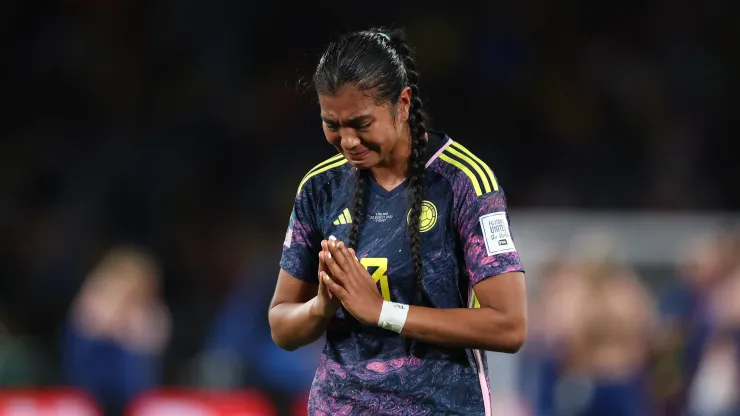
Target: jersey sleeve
{"x": 302, "y": 240}
{"x": 485, "y": 230}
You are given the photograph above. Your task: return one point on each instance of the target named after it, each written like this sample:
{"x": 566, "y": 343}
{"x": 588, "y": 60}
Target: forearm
{"x": 294, "y": 325}
{"x": 475, "y": 328}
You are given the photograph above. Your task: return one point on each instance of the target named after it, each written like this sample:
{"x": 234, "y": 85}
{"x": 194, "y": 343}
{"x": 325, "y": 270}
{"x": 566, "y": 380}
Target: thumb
{"x": 322, "y": 263}
{"x": 323, "y": 289}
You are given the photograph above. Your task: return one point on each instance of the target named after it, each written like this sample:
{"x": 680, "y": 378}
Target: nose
{"x": 350, "y": 140}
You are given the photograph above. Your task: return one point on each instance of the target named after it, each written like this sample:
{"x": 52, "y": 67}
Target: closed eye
{"x": 361, "y": 123}
{"x": 331, "y": 126}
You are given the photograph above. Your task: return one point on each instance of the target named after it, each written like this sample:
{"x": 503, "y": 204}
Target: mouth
{"x": 358, "y": 155}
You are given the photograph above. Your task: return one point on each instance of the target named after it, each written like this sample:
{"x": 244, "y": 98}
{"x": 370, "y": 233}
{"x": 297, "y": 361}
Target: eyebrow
{"x": 355, "y": 121}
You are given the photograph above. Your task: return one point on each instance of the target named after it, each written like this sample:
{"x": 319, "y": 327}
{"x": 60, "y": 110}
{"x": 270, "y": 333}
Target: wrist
{"x": 393, "y": 316}
{"x": 315, "y": 310}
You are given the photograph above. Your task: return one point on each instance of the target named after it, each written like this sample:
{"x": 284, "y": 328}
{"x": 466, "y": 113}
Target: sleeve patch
{"x": 496, "y": 233}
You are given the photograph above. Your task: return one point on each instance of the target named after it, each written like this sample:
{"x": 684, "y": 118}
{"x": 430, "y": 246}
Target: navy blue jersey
{"x": 465, "y": 238}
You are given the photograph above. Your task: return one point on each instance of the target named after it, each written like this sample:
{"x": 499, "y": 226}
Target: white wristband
{"x": 393, "y": 316}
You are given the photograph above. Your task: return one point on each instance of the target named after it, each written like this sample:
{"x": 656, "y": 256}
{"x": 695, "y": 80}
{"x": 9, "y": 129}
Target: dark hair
{"x": 380, "y": 59}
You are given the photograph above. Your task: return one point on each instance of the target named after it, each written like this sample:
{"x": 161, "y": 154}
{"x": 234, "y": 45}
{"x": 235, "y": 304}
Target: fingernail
{"x": 328, "y": 254}
{"x": 332, "y": 238}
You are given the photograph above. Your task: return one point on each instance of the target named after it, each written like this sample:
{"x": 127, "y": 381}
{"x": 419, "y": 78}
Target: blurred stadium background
{"x": 150, "y": 152}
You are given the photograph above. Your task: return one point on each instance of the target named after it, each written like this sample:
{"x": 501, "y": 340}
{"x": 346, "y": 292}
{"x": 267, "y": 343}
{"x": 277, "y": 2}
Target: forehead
{"x": 348, "y": 103}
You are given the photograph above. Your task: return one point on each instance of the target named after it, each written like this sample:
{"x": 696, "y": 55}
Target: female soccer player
{"x": 401, "y": 216}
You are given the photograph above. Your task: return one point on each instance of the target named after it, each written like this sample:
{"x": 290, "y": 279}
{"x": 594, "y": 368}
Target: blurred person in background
{"x": 697, "y": 359}
{"x": 595, "y": 321}
{"x": 715, "y": 388}
{"x": 118, "y": 327}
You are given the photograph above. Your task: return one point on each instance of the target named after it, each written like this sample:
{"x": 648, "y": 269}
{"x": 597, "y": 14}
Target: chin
{"x": 365, "y": 163}
{"x": 360, "y": 164}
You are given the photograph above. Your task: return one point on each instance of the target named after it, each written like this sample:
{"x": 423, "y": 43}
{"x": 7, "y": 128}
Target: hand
{"x": 351, "y": 283}
{"x": 325, "y": 304}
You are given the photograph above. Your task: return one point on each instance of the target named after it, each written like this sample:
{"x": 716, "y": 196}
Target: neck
{"x": 394, "y": 169}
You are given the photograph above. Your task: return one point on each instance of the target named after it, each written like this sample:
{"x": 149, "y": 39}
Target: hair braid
{"x": 358, "y": 204}
{"x": 417, "y": 126}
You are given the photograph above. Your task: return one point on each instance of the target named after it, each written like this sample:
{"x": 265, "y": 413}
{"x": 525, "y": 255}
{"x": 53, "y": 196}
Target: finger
{"x": 334, "y": 287}
{"x": 352, "y": 252}
{"x": 333, "y": 267}
{"x": 351, "y": 256}
{"x": 323, "y": 289}
{"x": 331, "y": 240}
{"x": 322, "y": 262}
{"x": 325, "y": 245}
{"x": 340, "y": 254}
{"x": 325, "y": 248}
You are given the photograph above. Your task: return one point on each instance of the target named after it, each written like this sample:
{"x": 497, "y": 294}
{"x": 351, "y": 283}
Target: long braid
{"x": 358, "y": 205}
{"x": 417, "y": 125}
{"x": 358, "y": 210}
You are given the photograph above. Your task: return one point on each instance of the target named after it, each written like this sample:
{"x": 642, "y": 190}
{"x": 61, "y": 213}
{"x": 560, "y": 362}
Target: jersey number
{"x": 381, "y": 264}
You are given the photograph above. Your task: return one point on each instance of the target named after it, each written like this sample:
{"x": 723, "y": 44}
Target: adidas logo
{"x": 344, "y": 218}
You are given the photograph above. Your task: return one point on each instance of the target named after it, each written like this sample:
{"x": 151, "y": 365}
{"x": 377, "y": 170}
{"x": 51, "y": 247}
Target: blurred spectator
{"x": 715, "y": 389}
{"x": 596, "y": 321}
{"x": 117, "y": 329}
{"x": 697, "y": 327}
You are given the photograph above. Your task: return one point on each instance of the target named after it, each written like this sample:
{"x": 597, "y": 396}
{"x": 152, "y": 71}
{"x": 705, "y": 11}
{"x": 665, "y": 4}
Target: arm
{"x": 500, "y": 324}
{"x": 295, "y": 321}
{"x": 498, "y": 320}
{"x": 301, "y": 308}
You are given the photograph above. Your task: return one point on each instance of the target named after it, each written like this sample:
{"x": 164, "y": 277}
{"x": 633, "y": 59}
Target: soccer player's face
{"x": 365, "y": 132}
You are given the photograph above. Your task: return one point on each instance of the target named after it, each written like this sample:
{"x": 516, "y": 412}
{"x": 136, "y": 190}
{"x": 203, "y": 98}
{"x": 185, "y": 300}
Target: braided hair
{"x": 380, "y": 59}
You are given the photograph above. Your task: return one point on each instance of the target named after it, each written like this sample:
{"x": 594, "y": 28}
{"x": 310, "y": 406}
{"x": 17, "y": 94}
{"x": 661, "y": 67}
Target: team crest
{"x": 428, "y": 217}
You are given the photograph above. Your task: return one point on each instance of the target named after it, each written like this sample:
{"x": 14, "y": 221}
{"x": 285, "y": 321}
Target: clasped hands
{"x": 344, "y": 280}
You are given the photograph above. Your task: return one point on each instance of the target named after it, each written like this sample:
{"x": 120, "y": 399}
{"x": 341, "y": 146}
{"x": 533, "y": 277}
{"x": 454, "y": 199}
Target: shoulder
{"x": 466, "y": 172}
{"x": 323, "y": 173}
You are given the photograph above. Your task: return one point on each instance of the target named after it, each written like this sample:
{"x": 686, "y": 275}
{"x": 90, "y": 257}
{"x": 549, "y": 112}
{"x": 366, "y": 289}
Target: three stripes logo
{"x": 344, "y": 218}
{"x": 479, "y": 173}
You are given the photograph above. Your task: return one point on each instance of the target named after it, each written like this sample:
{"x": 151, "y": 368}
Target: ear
{"x": 404, "y": 104}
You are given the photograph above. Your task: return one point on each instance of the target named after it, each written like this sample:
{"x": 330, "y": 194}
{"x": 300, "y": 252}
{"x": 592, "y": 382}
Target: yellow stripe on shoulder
{"x": 331, "y": 163}
{"x": 483, "y": 166}
{"x": 485, "y": 181}
{"x": 334, "y": 158}
{"x": 462, "y": 167}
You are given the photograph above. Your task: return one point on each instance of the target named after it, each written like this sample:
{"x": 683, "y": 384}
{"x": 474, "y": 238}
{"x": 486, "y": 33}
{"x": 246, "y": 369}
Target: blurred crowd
{"x": 604, "y": 343}
{"x": 150, "y": 152}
